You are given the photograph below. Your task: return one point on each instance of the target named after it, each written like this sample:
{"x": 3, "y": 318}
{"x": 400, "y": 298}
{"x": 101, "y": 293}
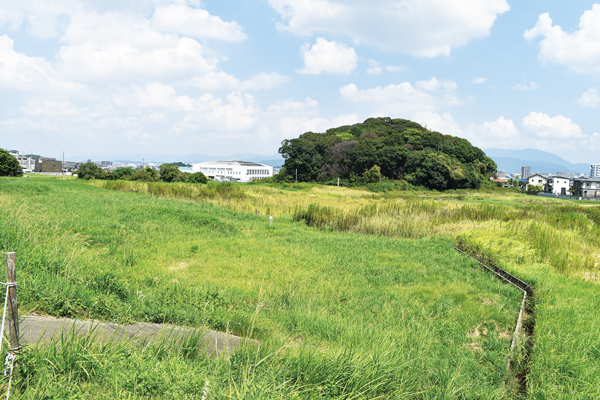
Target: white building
{"x": 537, "y": 180}
{"x": 595, "y": 171}
{"x": 233, "y": 170}
{"x": 27, "y": 163}
{"x": 558, "y": 185}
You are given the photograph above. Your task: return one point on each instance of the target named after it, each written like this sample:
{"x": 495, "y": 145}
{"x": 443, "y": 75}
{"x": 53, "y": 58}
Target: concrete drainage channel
{"x": 521, "y": 330}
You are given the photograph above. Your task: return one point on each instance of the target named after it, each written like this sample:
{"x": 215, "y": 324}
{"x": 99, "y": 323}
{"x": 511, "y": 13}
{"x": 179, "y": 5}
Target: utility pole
{"x": 296, "y": 175}
{"x": 143, "y": 163}
{"x": 63, "y": 166}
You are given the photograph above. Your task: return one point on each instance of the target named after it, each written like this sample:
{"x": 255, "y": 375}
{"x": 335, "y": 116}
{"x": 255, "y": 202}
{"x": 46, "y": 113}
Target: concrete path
{"x": 41, "y": 330}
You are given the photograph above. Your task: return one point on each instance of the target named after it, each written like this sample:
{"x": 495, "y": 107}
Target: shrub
{"x": 197, "y": 177}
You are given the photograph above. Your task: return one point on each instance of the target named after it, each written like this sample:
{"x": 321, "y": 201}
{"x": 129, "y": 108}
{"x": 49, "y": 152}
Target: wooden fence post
{"x": 12, "y": 310}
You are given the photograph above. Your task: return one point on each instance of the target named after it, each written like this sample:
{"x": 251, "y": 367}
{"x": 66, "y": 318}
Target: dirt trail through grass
{"x": 43, "y": 329}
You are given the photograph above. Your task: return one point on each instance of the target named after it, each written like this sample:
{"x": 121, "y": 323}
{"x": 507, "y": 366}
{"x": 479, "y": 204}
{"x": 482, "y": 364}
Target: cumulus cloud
{"x": 119, "y": 47}
{"x": 545, "y": 126}
{"x": 579, "y": 51}
{"x": 478, "y": 81}
{"x": 499, "y": 130}
{"x": 195, "y": 22}
{"x": 404, "y": 98}
{"x": 591, "y": 98}
{"x": 422, "y": 28}
{"x": 330, "y": 57}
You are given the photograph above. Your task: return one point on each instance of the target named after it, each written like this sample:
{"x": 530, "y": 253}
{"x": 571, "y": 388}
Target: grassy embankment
{"x": 552, "y": 244}
{"x": 338, "y": 314}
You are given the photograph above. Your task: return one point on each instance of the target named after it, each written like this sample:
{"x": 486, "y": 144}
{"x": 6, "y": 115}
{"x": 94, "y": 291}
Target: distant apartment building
{"x": 48, "y": 165}
{"x": 595, "y": 171}
{"x": 525, "y": 172}
{"x": 501, "y": 174}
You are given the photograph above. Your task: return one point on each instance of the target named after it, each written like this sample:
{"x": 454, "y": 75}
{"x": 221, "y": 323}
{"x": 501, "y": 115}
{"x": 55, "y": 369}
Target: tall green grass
{"x": 337, "y": 314}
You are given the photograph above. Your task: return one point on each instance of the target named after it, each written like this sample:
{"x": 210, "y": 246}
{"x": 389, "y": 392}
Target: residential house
{"x": 537, "y": 180}
{"x": 589, "y": 187}
{"x": 557, "y": 185}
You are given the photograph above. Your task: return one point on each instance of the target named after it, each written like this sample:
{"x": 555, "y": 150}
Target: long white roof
{"x": 235, "y": 162}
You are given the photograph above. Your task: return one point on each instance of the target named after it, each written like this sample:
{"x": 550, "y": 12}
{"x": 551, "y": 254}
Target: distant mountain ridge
{"x": 539, "y": 161}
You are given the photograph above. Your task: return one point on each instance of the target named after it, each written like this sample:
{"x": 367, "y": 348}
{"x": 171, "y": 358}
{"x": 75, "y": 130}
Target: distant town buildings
{"x": 501, "y": 174}
{"x": 595, "y": 171}
{"x": 525, "y": 172}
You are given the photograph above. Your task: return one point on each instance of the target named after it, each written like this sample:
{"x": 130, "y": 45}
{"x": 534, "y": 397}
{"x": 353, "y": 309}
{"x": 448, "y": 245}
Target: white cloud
{"x": 545, "y": 126}
{"x": 478, "y": 81}
{"x": 404, "y": 98}
{"x": 525, "y": 86}
{"x": 28, "y": 74}
{"x": 591, "y": 98}
{"x": 117, "y": 47}
{"x": 330, "y": 57}
{"x": 490, "y": 132}
{"x": 422, "y": 28}
{"x": 579, "y": 51}
{"x": 194, "y": 22}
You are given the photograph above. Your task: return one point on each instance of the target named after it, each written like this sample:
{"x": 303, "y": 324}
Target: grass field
{"x": 374, "y": 304}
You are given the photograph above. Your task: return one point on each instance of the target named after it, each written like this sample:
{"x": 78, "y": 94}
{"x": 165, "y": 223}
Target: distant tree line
{"x": 385, "y": 149}
{"x": 166, "y": 173}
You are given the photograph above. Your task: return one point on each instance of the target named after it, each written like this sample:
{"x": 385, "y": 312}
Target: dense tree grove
{"x": 385, "y": 148}
{"x": 166, "y": 173}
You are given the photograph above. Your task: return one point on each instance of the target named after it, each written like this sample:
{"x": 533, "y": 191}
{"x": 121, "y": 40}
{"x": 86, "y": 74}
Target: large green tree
{"x": 171, "y": 173}
{"x": 89, "y": 170}
{"x": 9, "y": 166}
{"x": 401, "y": 148}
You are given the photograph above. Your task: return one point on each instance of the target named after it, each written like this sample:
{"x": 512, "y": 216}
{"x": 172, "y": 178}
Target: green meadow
{"x": 349, "y": 294}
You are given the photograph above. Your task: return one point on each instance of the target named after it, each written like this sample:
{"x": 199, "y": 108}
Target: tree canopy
{"x": 9, "y": 166}
{"x": 396, "y": 149}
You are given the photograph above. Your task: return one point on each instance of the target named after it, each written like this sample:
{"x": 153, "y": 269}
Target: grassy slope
{"x": 339, "y": 314}
{"x": 551, "y": 243}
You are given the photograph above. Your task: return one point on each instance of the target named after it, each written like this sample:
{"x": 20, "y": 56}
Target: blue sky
{"x": 222, "y": 77}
